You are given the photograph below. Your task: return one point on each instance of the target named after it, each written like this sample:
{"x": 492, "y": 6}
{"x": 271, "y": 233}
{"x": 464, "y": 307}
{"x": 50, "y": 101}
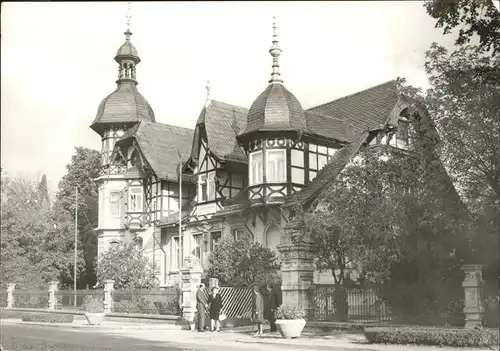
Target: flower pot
{"x": 290, "y": 328}
{"x": 95, "y": 318}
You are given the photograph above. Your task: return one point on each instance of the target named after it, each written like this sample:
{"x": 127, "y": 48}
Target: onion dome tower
{"x": 124, "y": 107}
{"x": 274, "y": 121}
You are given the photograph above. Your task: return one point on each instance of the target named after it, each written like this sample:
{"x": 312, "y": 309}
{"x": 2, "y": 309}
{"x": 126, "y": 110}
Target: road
{"x": 40, "y": 338}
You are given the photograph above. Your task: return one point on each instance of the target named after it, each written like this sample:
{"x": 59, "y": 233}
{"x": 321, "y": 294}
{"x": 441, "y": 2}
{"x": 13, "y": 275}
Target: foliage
{"x": 433, "y": 336}
{"x": 164, "y": 304}
{"x": 11, "y": 314}
{"x": 37, "y": 241}
{"x": 242, "y": 263}
{"x": 82, "y": 170}
{"x": 128, "y": 267}
{"x": 290, "y": 312}
{"x": 47, "y": 318}
{"x": 93, "y": 304}
{"x": 478, "y": 17}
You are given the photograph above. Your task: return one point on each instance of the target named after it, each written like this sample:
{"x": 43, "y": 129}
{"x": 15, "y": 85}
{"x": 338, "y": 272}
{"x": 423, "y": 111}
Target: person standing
{"x": 201, "y": 307}
{"x": 215, "y": 302}
{"x": 257, "y": 309}
{"x": 271, "y": 304}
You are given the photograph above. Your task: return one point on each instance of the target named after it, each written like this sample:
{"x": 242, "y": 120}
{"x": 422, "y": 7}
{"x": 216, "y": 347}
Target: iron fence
{"x": 31, "y": 298}
{"x": 3, "y": 298}
{"x": 164, "y": 302}
{"x": 75, "y": 300}
{"x": 361, "y": 305}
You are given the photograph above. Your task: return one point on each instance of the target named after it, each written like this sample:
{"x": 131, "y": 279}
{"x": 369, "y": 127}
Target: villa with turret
{"x": 238, "y": 172}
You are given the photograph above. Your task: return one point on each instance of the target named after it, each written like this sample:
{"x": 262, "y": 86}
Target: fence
{"x": 74, "y": 300}
{"x": 236, "y": 302}
{"x": 165, "y": 302}
{"x": 31, "y": 298}
{"x": 362, "y": 305}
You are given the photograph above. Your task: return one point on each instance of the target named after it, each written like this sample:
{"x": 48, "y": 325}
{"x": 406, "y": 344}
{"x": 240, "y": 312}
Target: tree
{"x": 397, "y": 219}
{"x": 242, "y": 263}
{"x": 477, "y": 17}
{"x": 465, "y": 101}
{"x": 128, "y": 267}
{"x": 37, "y": 241}
{"x": 82, "y": 171}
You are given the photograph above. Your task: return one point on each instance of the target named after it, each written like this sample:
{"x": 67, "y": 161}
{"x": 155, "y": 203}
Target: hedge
{"x": 48, "y": 318}
{"x": 9, "y": 314}
{"x": 433, "y": 336}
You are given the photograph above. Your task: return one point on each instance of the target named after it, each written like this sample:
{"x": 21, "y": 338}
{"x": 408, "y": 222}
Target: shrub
{"x": 290, "y": 312}
{"x": 433, "y": 336}
{"x": 93, "y": 304}
{"x": 48, "y": 318}
{"x": 9, "y": 314}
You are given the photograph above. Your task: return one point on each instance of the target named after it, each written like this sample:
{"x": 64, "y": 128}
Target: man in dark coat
{"x": 201, "y": 306}
{"x": 270, "y": 306}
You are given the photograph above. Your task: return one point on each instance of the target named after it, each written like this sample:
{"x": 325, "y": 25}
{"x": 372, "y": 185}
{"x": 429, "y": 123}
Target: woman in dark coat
{"x": 215, "y": 302}
{"x": 258, "y": 309}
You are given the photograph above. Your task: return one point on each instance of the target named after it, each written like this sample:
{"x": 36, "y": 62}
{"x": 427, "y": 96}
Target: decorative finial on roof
{"x": 128, "y": 33}
{"x": 209, "y": 100}
{"x": 275, "y": 52}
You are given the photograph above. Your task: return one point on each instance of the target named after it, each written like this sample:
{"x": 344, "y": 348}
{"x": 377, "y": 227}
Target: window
{"x": 113, "y": 245}
{"x": 276, "y": 169}
{"x": 197, "y": 246}
{"x": 202, "y": 196}
{"x": 135, "y": 201}
{"x": 114, "y": 204}
{"x": 239, "y": 234}
{"x": 211, "y": 186}
{"x": 297, "y": 175}
{"x": 176, "y": 257}
{"x": 297, "y": 158}
{"x": 256, "y": 168}
{"x": 215, "y": 239}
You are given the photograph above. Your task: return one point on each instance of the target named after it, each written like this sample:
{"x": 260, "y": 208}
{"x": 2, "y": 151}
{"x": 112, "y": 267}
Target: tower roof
{"x": 125, "y": 105}
{"x": 275, "y": 109}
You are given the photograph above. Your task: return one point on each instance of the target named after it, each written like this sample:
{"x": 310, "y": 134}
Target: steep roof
{"x": 365, "y": 110}
{"x": 159, "y": 144}
{"x": 223, "y": 122}
{"x": 329, "y": 172}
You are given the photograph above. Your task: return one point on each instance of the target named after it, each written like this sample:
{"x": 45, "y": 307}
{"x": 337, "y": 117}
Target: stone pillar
{"x": 108, "y": 295}
{"x": 297, "y": 267}
{"x": 52, "y": 294}
{"x": 10, "y": 294}
{"x": 473, "y": 286}
{"x": 191, "y": 279}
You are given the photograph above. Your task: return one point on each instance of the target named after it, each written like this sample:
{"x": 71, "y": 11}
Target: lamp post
{"x": 76, "y": 245}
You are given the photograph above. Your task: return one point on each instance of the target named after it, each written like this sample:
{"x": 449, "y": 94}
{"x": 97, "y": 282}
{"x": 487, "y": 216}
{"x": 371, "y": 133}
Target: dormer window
{"x": 255, "y": 168}
{"x": 135, "y": 199}
{"x": 276, "y": 166}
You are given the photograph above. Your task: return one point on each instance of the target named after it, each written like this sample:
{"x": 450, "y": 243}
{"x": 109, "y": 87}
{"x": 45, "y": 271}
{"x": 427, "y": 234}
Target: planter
{"x": 95, "y": 318}
{"x": 290, "y": 328}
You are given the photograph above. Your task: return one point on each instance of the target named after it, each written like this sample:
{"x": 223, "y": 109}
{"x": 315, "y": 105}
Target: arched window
{"x": 273, "y": 237}
{"x": 114, "y": 204}
{"x": 113, "y": 245}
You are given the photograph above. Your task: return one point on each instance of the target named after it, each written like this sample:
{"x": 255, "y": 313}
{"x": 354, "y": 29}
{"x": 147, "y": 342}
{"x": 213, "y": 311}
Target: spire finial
{"x": 128, "y": 33}
{"x": 275, "y": 52}
{"x": 209, "y": 100}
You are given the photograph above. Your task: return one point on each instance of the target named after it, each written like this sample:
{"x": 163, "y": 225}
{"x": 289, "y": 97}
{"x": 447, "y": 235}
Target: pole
{"x": 180, "y": 217}
{"x": 76, "y": 245}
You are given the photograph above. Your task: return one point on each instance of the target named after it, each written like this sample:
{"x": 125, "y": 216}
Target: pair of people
{"x": 263, "y": 308}
{"x": 213, "y": 304}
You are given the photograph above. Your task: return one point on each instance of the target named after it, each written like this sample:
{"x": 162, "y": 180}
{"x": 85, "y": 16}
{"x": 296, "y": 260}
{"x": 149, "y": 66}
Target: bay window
{"x": 135, "y": 199}
{"x": 276, "y": 166}
{"x": 255, "y": 168}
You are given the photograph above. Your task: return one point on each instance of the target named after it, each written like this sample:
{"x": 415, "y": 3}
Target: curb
{"x": 102, "y": 326}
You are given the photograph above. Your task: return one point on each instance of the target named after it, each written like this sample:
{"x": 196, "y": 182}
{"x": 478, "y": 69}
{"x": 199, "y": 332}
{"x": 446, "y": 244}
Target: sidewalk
{"x": 239, "y": 338}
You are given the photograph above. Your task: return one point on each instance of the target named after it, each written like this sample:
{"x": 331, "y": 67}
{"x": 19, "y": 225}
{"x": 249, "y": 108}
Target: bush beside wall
{"x": 433, "y": 336}
{"x": 9, "y": 314}
{"x": 47, "y": 318}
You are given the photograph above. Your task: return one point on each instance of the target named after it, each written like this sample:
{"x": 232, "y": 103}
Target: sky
{"x": 57, "y": 62}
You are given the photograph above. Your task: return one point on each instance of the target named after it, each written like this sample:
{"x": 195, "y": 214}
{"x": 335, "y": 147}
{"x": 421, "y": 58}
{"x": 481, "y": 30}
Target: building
{"x": 241, "y": 169}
